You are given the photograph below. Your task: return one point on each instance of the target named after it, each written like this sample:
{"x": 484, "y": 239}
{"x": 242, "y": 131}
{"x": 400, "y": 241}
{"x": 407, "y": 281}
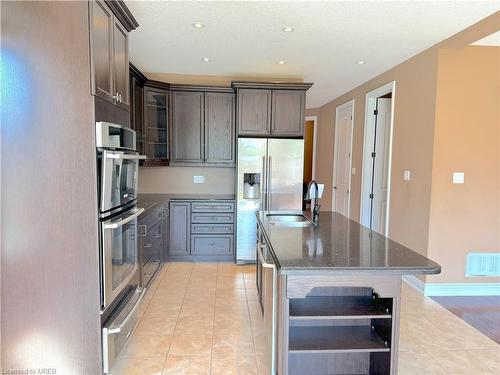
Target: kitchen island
{"x": 330, "y": 294}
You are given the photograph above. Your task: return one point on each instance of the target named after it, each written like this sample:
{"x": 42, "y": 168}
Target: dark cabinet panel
{"x": 120, "y": 61}
{"x": 187, "y": 127}
{"x": 156, "y": 126}
{"x": 254, "y": 112}
{"x": 180, "y": 219}
{"x": 109, "y": 55}
{"x": 137, "y": 112}
{"x": 219, "y": 128}
{"x": 288, "y": 113}
{"x": 102, "y": 49}
{"x": 151, "y": 244}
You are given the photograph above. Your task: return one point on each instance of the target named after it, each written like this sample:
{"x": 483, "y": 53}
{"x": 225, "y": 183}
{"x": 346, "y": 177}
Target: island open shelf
{"x": 329, "y": 339}
{"x": 338, "y": 326}
{"x": 341, "y": 307}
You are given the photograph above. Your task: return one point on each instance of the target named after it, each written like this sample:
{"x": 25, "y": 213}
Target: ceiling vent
{"x": 483, "y": 264}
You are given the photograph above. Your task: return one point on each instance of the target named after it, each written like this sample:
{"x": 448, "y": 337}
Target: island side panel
{"x": 283, "y": 321}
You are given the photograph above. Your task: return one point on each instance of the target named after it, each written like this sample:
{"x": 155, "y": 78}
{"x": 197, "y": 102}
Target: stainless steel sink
{"x": 289, "y": 220}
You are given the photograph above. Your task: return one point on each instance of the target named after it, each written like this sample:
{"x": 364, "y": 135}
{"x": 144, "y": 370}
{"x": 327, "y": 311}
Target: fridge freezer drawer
{"x": 211, "y": 245}
{"x": 197, "y": 217}
{"x": 212, "y": 228}
{"x": 212, "y": 207}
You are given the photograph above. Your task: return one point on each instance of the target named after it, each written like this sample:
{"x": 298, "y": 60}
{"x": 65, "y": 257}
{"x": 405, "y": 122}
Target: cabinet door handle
{"x": 148, "y": 245}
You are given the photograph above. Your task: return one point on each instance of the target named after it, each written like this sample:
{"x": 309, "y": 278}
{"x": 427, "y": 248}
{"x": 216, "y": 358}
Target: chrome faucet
{"x": 315, "y": 209}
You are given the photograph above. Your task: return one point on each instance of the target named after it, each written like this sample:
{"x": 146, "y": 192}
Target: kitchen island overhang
{"x": 332, "y": 301}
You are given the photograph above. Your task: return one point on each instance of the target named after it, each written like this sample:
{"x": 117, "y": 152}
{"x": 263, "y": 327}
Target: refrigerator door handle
{"x": 269, "y": 187}
{"x": 264, "y": 184}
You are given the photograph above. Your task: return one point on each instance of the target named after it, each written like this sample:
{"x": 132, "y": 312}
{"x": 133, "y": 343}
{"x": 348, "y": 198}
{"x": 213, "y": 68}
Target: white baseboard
{"x": 454, "y": 289}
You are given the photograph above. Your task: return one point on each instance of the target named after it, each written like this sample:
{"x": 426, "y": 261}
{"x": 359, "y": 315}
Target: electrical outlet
{"x": 458, "y": 177}
{"x": 198, "y": 179}
{"x": 406, "y": 175}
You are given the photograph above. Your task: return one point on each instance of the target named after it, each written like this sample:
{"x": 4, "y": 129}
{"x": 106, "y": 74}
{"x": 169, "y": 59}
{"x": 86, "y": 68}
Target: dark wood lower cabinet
{"x": 201, "y": 230}
{"x": 152, "y": 242}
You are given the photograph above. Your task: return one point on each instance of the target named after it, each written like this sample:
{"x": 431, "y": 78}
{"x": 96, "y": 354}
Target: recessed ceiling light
{"x": 282, "y": 62}
{"x": 206, "y": 59}
{"x": 360, "y": 62}
{"x": 198, "y": 25}
{"x": 288, "y": 29}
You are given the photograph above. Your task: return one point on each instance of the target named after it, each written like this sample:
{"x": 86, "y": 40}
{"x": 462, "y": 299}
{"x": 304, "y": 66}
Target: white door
{"x": 381, "y": 165}
{"x": 342, "y": 159}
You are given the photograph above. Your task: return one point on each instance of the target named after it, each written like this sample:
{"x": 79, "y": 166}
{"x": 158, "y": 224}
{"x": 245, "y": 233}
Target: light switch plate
{"x": 406, "y": 175}
{"x": 458, "y": 177}
{"x": 353, "y": 171}
{"x": 198, "y": 179}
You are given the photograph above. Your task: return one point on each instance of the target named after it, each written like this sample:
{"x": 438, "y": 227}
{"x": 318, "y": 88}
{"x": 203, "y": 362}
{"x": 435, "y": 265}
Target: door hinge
{"x": 347, "y": 191}
{"x": 375, "y": 112}
{"x": 373, "y": 154}
{"x": 371, "y": 196}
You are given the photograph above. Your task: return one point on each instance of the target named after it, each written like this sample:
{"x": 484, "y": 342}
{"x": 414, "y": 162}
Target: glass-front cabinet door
{"x": 156, "y": 125}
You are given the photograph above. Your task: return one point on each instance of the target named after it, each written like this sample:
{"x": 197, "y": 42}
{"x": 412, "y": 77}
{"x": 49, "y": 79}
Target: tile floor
{"x": 204, "y": 318}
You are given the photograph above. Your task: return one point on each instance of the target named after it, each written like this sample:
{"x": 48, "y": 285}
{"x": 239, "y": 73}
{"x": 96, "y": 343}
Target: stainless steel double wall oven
{"x": 117, "y": 171}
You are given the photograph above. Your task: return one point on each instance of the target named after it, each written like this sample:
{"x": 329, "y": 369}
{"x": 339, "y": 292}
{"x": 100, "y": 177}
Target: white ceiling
{"x": 245, "y": 38}
{"x": 490, "y": 40}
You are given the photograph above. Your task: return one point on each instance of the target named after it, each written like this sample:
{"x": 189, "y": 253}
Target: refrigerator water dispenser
{"x": 251, "y": 185}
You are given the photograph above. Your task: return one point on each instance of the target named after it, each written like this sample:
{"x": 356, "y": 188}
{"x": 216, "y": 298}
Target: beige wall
{"x": 179, "y": 180}
{"x": 466, "y": 217}
{"x": 414, "y": 118}
{"x": 412, "y": 147}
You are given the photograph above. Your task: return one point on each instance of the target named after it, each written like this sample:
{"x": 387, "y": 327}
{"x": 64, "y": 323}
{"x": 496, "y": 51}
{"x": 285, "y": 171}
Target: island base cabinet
{"x": 339, "y": 324}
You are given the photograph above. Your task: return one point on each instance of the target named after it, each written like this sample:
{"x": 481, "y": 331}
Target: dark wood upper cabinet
{"x": 187, "y": 127}
{"x": 102, "y": 49}
{"x": 219, "y": 128}
{"x": 203, "y": 127}
{"x": 288, "y": 112}
{"x": 120, "y": 64}
{"x": 156, "y": 125}
{"x": 109, "y": 51}
{"x": 254, "y": 112}
{"x": 137, "y": 112}
{"x": 271, "y": 109}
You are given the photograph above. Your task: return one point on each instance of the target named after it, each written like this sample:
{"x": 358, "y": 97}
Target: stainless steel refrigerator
{"x": 270, "y": 177}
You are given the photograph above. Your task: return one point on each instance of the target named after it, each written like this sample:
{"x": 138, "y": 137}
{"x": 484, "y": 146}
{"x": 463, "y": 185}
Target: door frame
{"x": 335, "y": 141}
{"x": 369, "y": 124}
{"x": 315, "y": 133}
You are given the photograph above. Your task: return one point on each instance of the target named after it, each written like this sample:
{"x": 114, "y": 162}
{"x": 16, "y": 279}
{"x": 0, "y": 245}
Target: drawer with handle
{"x": 209, "y": 206}
{"x": 211, "y": 245}
{"x": 212, "y": 228}
{"x": 200, "y": 217}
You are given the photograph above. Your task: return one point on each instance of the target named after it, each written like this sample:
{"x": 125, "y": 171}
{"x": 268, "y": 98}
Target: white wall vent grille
{"x": 483, "y": 264}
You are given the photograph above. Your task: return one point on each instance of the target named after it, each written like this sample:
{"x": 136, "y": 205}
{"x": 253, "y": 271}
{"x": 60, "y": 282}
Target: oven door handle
{"x": 111, "y": 155}
{"x": 123, "y": 323}
{"x": 119, "y": 223}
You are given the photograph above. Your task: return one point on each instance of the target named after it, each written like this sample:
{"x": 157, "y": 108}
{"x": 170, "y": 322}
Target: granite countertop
{"x": 338, "y": 244}
{"x": 149, "y": 201}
